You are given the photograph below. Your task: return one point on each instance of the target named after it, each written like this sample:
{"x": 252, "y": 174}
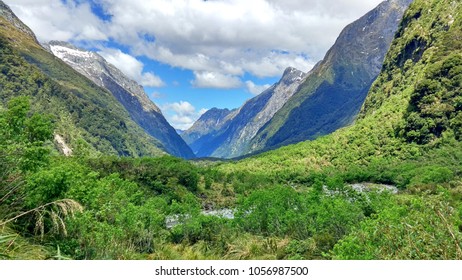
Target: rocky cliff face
{"x": 130, "y": 94}
{"x": 334, "y": 91}
{"x": 227, "y": 134}
{"x": 281, "y": 93}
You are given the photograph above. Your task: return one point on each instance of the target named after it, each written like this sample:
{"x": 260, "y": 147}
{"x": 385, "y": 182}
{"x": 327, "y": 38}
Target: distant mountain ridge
{"x": 129, "y": 93}
{"x": 226, "y": 134}
{"x": 206, "y": 128}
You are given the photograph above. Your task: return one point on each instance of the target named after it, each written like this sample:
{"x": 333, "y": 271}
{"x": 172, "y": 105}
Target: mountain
{"x": 305, "y": 106}
{"x": 227, "y": 134}
{"x": 130, "y": 94}
{"x": 413, "y": 111}
{"x": 334, "y": 90}
{"x": 388, "y": 186}
{"x": 206, "y": 128}
{"x": 88, "y": 118}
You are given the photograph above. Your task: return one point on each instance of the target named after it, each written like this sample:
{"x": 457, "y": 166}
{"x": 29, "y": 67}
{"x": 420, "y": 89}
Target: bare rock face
{"x": 281, "y": 93}
{"x": 129, "y": 93}
{"x": 62, "y": 146}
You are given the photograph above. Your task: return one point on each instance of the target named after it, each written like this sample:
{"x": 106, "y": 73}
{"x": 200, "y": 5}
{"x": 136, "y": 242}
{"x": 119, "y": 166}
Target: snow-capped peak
{"x": 61, "y": 52}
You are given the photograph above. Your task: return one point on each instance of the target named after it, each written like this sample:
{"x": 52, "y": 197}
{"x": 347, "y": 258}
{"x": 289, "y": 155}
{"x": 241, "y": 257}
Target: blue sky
{"x": 192, "y": 55}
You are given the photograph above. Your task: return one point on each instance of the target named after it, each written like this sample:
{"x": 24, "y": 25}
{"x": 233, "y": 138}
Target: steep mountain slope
{"x": 333, "y": 92}
{"x": 88, "y": 118}
{"x": 412, "y": 109}
{"x": 131, "y": 95}
{"x": 229, "y": 135}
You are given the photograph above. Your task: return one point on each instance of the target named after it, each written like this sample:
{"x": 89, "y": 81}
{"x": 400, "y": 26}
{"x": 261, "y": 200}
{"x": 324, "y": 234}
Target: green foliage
{"x": 23, "y": 157}
{"x": 15, "y": 247}
{"x": 435, "y": 103}
{"x": 272, "y": 211}
{"x": 24, "y": 135}
{"x": 421, "y": 228}
{"x": 165, "y": 175}
{"x": 116, "y": 213}
{"x": 52, "y": 183}
{"x": 22, "y": 150}
{"x": 199, "y": 228}
{"x": 281, "y": 211}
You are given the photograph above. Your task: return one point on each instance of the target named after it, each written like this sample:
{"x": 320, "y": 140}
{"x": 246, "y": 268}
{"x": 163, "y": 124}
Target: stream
{"x": 226, "y": 213}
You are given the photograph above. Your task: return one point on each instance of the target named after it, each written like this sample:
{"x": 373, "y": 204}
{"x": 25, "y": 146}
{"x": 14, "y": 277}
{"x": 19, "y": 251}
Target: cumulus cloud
{"x": 225, "y": 39}
{"x": 256, "y": 89}
{"x": 181, "y": 115}
{"x": 131, "y": 67}
{"x": 150, "y": 80}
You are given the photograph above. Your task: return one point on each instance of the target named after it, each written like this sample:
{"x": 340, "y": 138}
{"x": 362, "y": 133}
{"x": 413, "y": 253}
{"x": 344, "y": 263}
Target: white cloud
{"x": 256, "y": 89}
{"x": 215, "y": 80}
{"x": 150, "y": 80}
{"x": 233, "y": 36}
{"x": 228, "y": 38}
{"x": 181, "y": 115}
{"x": 275, "y": 63}
{"x": 131, "y": 67}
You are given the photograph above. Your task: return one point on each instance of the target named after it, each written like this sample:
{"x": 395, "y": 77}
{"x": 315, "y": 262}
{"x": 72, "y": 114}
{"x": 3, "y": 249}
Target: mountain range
{"x": 224, "y": 133}
{"x": 301, "y": 106}
{"x": 413, "y": 108}
{"x": 305, "y": 106}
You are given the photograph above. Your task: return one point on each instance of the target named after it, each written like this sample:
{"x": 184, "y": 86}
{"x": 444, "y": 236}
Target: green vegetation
{"x": 53, "y": 207}
{"x": 298, "y": 202}
{"x": 436, "y": 104}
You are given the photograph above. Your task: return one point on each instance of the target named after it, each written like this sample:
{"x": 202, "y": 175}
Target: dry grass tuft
{"x": 57, "y": 211}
